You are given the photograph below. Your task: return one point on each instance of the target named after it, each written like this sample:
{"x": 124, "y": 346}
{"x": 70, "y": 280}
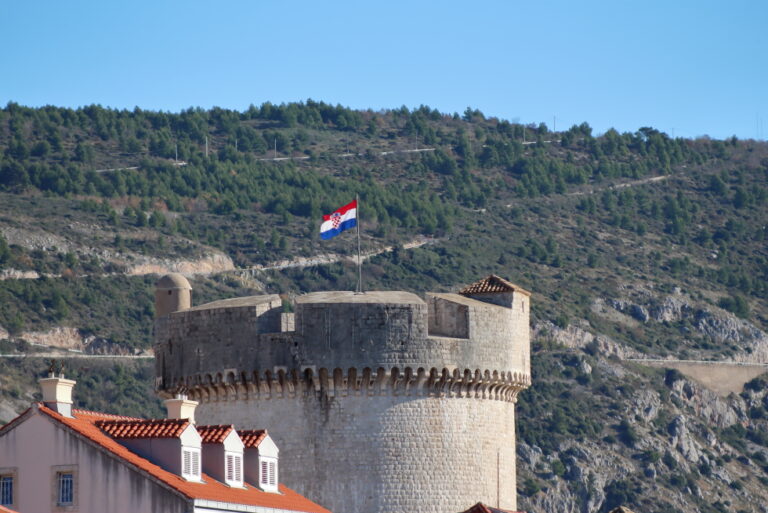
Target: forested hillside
{"x": 636, "y": 245}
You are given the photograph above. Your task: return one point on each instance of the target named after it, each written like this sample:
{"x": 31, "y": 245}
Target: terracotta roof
{"x": 251, "y": 437}
{"x": 492, "y": 284}
{"x": 152, "y": 428}
{"x": 213, "y": 434}
{"x": 482, "y": 508}
{"x": 84, "y": 424}
{"x": 100, "y": 415}
{"x": 3, "y": 509}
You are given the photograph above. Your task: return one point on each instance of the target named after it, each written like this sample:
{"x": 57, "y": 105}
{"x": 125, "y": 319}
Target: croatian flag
{"x": 342, "y": 219}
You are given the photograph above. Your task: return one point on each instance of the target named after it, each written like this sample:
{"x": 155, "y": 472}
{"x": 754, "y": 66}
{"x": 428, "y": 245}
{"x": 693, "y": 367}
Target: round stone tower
{"x": 172, "y": 294}
{"x": 379, "y": 402}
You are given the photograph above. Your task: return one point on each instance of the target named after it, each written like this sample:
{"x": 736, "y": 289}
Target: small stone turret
{"x": 173, "y": 293}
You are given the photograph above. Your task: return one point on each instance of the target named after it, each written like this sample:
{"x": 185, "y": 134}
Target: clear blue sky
{"x": 685, "y": 67}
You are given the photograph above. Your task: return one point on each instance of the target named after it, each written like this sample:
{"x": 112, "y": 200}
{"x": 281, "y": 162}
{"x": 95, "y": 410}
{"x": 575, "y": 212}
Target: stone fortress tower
{"x": 381, "y": 402}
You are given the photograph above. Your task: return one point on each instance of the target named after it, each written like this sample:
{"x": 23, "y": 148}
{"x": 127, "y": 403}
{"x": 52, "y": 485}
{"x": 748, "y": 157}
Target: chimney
{"x": 181, "y": 408}
{"x": 57, "y": 393}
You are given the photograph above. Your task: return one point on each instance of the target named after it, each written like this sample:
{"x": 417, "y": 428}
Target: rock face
{"x": 717, "y": 326}
{"x": 211, "y": 263}
{"x": 679, "y": 429}
{"x": 65, "y": 338}
{"x": 679, "y": 426}
{"x": 15, "y": 274}
{"x": 689, "y": 444}
{"x": 578, "y": 338}
{"x": 72, "y": 339}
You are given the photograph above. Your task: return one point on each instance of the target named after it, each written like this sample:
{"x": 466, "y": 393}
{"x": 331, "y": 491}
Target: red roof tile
{"x": 84, "y": 424}
{"x": 101, "y": 415}
{"x": 252, "y": 437}
{"x": 214, "y": 434}
{"x": 162, "y": 428}
{"x": 492, "y": 284}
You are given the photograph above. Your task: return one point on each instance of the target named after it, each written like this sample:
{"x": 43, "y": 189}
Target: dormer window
{"x": 234, "y": 474}
{"x": 222, "y": 454}
{"x": 268, "y": 474}
{"x": 261, "y": 460}
{"x": 190, "y": 464}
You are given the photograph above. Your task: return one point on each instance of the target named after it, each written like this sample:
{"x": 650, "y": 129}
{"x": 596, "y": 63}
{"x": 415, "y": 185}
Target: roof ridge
{"x": 216, "y": 433}
{"x": 492, "y": 284}
{"x": 143, "y": 428}
{"x": 102, "y": 414}
{"x": 140, "y": 421}
{"x": 252, "y": 438}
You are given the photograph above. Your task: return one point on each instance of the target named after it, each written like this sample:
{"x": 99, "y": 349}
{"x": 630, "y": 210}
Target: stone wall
{"x": 371, "y": 411}
{"x": 447, "y": 318}
{"x": 213, "y": 341}
{"x": 206, "y": 344}
{"x": 387, "y": 453}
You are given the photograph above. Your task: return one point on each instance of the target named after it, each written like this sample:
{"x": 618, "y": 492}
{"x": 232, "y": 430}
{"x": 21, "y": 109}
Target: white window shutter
{"x": 196, "y": 463}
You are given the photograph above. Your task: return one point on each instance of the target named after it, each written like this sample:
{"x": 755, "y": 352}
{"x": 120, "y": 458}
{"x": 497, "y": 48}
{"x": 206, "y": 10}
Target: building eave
{"x": 115, "y": 457}
{"x": 224, "y": 507}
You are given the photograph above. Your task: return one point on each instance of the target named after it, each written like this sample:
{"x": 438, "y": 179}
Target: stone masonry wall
{"x": 371, "y": 412}
{"x": 206, "y": 345}
{"x": 339, "y": 335}
{"x": 447, "y": 318}
{"x": 216, "y": 341}
{"x": 397, "y": 454}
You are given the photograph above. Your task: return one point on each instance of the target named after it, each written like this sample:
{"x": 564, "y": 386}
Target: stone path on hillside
{"x": 347, "y": 155}
{"x": 633, "y": 183}
{"x": 593, "y": 190}
{"x": 56, "y": 356}
{"x": 325, "y": 259}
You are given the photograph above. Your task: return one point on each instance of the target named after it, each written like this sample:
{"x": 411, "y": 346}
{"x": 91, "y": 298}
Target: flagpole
{"x": 359, "y": 258}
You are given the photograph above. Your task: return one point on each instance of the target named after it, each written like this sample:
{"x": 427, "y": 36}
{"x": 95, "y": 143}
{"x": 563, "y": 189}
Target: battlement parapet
{"x": 341, "y": 330}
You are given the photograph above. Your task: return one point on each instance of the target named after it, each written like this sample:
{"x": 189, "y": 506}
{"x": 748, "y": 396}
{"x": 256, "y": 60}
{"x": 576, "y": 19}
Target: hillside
{"x": 636, "y": 245}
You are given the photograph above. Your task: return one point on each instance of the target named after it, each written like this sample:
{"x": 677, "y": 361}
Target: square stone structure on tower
{"x": 381, "y": 402}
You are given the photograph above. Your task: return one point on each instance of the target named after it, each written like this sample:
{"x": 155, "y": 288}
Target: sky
{"x": 688, "y": 68}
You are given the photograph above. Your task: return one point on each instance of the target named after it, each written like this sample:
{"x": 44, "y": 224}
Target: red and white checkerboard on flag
{"x": 342, "y": 219}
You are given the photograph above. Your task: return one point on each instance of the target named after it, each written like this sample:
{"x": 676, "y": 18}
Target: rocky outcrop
{"x": 576, "y": 337}
{"x": 208, "y": 264}
{"x": 15, "y": 274}
{"x": 720, "y": 327}
{"x": 73, "y": 339}
{"x": 33, "y": 240}
{"x": 683, "y": 441}
{"x": 678, "y": 431}
{"x": 62, "y": 337}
